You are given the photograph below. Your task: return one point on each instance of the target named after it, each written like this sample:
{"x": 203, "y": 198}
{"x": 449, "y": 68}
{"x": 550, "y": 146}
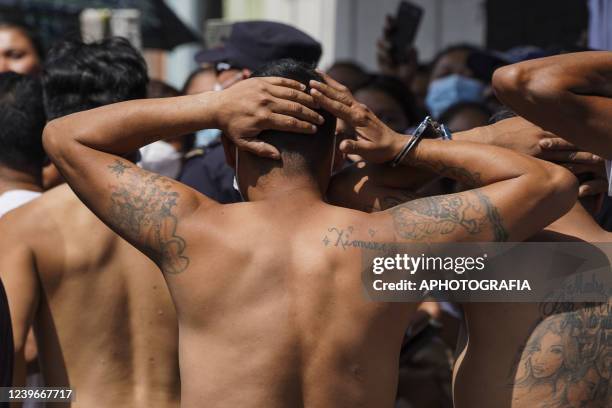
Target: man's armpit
{"x": 143, "y": 210}
{"x": 469, "y": 213}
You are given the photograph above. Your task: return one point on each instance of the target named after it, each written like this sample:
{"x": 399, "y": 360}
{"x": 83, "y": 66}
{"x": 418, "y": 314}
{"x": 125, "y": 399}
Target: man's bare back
{"x": 273, "y": 316}
{"x": 103, "y": 318}
{"x": 550, "y": 355}
{"x": 540, "y": 355}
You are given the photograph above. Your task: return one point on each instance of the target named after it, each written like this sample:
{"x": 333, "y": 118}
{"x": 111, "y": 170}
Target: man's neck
{"x": 298, "y": 189}
{"x": 11, "y": 179}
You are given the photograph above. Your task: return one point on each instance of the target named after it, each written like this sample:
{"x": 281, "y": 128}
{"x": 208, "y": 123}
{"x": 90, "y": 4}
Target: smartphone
{"x": 407, "y": 20}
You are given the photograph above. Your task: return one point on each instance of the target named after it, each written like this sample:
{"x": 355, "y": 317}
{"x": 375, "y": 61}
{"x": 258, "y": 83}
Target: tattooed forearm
{"x": 471, "y": 212}
{"x": 142, "y": 209}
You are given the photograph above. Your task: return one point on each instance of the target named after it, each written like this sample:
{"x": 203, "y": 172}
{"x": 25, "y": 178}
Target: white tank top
{"x": 15, "y": 198}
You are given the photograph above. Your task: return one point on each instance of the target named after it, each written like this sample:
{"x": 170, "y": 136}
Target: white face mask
{"x": 236, "y": 185}
{"x": 161, "y": 158}
{"x": 331, "y": 169}
{"x": 205, "y": 137}
{"x": 219, "y": 86}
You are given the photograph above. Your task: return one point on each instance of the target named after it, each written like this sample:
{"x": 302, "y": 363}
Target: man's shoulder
{"x": 55, "y": 208}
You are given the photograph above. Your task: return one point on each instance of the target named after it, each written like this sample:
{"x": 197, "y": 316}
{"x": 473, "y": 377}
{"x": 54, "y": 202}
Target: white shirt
{"x": 609, "y": 173}
{"x": 600, "y": 29}
{"x": 15, "y": 198}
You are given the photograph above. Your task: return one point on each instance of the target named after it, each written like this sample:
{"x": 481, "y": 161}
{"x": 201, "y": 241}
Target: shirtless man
{"x": 98, "y": 330}
{"x": 268, "y": 315}
{"x": 539, "y": 355}
{"x": 569, "y": 95}
{"x": 548, "y": 355}
{"x": 22, "y": 119}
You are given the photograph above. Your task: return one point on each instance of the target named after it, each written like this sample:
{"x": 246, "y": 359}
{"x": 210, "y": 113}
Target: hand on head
{"x": 257, "y": 104}
{"x": 374, "y": 141}
{"x": 523, "y": 136}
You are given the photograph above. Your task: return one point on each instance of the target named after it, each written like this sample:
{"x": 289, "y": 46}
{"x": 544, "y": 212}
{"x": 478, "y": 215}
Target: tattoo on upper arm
{"x": 118, "y": 168}
{"x": 568, "y": 357}
{"x": 141, "y": 209}
{"x": 471, "y": 211}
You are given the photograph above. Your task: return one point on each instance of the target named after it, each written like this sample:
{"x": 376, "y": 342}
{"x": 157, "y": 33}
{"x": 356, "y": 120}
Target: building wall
{"x": 445, "y": 22}
{"x": 348, "y": 29}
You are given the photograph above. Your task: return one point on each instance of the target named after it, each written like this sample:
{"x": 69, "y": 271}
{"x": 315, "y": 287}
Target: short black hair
{"x": 22, "y": 119}
{"x": 79, "y": 76}
{"x": 399, "y": 92}
{"x": 463, "y": 47}
{"x": 160, "y": 89}
{"x": 27, "y": 30}
{"x": 299, "y": 153}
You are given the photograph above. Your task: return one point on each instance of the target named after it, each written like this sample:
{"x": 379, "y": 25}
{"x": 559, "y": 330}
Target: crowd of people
{"x": 199, "y": 247}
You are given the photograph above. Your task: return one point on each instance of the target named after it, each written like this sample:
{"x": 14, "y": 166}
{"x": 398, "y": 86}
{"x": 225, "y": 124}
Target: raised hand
{"x": 374, "y": 141}
{"x": 257, "y": 104}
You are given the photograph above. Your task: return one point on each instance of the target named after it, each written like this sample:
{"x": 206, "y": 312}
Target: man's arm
{"x": 569, "y": 95}
{"x": 18, "y": 274}
{"x": 375, "y": 187}
{"x": 148, "y": 210}
{"x": 516, "y": 195}
{"x": 513, "y": 195}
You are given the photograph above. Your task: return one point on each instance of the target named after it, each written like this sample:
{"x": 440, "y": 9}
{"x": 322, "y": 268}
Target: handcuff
{"x": 427, "y": 129}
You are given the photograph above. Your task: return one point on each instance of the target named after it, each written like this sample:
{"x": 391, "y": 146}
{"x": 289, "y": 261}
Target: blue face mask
{"x": 450, "y": 90}
{"x": 205, "y": 137}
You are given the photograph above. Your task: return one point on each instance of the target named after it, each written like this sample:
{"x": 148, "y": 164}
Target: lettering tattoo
{"x": 568, "y": 357}
{"x": 342, "y": 238}
{"x": 142, "y": 207}
{"x": 470, "y": 211}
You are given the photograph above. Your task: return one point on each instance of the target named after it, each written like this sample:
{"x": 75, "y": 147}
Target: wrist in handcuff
{"x": 427, "y": 129}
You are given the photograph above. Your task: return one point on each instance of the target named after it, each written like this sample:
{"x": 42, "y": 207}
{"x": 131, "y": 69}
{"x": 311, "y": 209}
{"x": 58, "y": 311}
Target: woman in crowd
{"x": 20, "y": 49}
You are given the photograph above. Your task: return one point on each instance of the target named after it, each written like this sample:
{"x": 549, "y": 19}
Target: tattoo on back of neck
{"x": 142, "y": 207}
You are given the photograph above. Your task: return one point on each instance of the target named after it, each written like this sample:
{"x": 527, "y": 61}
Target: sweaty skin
{"x": 268, "y": 292}
{"x": 103, "y": 318}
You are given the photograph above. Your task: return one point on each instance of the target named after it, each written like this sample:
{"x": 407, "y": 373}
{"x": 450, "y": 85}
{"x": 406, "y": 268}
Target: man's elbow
{"x": 57, "y": 142}
{"x": 520, "y": 83}
{"x": 562, "y": 188}
{"x": 51, "y": 139}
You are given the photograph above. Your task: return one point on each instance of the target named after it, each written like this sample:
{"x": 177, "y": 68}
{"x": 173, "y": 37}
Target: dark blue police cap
{"x": 252, "y": 44}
